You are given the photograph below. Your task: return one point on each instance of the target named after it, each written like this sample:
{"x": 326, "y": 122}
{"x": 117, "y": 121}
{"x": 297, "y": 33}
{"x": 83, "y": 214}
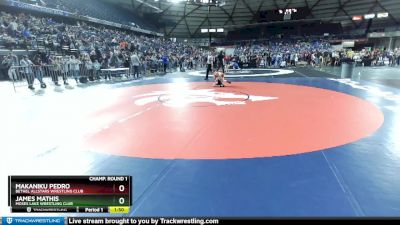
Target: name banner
{"x": 70, "y": 194}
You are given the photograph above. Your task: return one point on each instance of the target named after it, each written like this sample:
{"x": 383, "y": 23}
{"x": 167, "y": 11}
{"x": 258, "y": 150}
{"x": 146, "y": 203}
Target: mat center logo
{"x": 187, "y": 97}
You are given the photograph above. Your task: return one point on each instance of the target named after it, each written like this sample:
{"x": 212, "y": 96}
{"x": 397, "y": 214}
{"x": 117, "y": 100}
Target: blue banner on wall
{"x": 38, "y": 8}
{"x": 28, "y": 6}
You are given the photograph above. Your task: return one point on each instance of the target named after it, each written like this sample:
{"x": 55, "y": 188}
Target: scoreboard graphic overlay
{"x": 75, "y": 194}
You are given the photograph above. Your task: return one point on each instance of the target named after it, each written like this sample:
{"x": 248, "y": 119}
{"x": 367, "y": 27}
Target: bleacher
{"x": 97, "y": 9}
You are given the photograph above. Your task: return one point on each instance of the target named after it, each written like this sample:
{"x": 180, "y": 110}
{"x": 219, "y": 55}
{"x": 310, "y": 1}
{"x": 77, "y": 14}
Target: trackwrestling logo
{"x": 185, "y": 97}
{"x": 34, "y": 220}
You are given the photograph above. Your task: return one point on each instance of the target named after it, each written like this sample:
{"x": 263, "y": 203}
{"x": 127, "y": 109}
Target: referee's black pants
{"x": 209, "y": 69}
{"x": 221, "y": 65}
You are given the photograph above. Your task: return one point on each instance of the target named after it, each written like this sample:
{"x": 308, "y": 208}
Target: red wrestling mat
{"x": 242, "y": 120}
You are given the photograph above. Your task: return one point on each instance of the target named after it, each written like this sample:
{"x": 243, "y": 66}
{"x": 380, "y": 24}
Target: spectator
{"x": 165, "y": 62}
{"x": 10, "y": 62}
{"x": 74, "y": 68}
{"x": 27, "y": 66}
{"x": 135, "y": 62}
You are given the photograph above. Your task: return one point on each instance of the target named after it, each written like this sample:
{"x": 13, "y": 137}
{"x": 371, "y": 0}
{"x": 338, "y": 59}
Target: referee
{"x": 210, "y": 64}
{"x": 220, "y": 58}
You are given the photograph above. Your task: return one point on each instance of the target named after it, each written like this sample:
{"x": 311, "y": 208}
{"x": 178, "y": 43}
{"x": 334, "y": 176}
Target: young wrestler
{"x": 219, "y": 78}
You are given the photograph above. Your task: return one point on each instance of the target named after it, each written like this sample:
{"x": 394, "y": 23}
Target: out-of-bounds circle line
{"x": 163, "y": 98}
{"x": 277, "y": 72}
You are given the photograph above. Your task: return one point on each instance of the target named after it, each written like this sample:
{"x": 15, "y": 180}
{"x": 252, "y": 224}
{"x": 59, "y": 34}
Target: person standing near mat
{"x": 210, "y": 64}
{"x": 135, "y": 62}
{"x": 220, "y": 58}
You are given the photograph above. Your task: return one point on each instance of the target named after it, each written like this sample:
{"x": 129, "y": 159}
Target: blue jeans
{"x": 75, "y": 74}
{"x": 39, "y": 75}
{"x": 135, "y": 71}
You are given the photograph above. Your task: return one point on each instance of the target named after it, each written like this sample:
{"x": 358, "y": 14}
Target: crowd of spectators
{"x": 77, "y": 48}
{"x": 279, "y": 53}
{"x": 91, "y": 45}
{"x": 96, "y": 9}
